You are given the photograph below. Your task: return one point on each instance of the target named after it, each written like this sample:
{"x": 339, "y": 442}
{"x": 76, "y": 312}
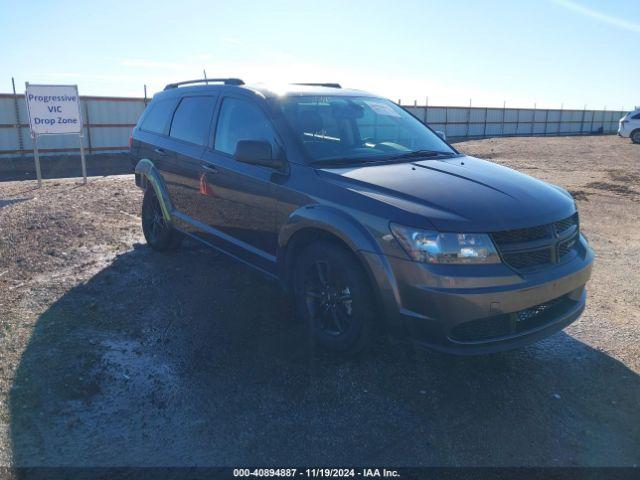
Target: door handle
{"x": 209, "y": 168}
{"x": 160, "y": 151}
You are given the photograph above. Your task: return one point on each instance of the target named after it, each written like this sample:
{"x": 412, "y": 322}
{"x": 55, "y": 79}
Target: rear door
{"x": 152, "y": 133}
{"x": 188, "y": 133}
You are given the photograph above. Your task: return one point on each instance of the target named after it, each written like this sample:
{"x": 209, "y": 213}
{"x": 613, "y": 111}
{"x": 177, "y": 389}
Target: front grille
{"x": 513, "y": 323}
{"x": 540, "y": 315}
{"x": 538, "y": 246}
{"x": 529, "y": 315}
{"x": 482, "y": 329}
{"x": 528, "y": 259}
{"x": 567, "y": 223}
{"x": 567, "y": 246}
{"x": 521, "y": 235}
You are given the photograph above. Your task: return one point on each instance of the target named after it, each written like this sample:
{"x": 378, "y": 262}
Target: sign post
{"x": 54, "y": 110}
{"x": 36, "y": 158}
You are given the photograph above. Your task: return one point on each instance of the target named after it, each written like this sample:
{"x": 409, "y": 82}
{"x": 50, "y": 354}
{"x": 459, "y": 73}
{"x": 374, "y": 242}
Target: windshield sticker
{"x": 382, "y": 109}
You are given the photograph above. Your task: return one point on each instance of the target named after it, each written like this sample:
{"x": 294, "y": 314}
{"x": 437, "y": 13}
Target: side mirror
{"x": 257, "y": 152}
{"x": 441, "y": 134}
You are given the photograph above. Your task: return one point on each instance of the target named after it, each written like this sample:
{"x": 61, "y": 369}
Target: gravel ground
{"x": 111, "y": 354}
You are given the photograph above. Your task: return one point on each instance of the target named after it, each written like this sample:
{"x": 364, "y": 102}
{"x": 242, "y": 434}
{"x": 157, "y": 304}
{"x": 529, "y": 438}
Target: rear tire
{"x": 160, "y": 235}
{"x": 635, "y": 136}
{"x": 333, "y": 296}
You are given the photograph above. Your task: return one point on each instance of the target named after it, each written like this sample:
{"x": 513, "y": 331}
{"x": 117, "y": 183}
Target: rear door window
{"x": 157, "y": 118}
{"x": 192, "y": 119}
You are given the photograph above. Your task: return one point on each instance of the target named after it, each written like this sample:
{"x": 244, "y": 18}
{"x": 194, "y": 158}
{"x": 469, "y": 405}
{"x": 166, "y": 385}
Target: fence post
{"x": 446, "y": 119}
{"x": 560, "y": 119}
{"x": 533, "y": 120}
{"x": 582, "y": 120}
{"x": 504, "y": 111}
{"x": 145, "y": 95}
{"x": 17, "y": 112}
{"x": 426, "y": 107}
{"x": 486, "y": 114}
{"x": 86, "y": 117}
{"x": 468, "y": 119}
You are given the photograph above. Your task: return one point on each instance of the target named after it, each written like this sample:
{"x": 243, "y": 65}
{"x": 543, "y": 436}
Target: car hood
{"x": 463, "y": 194}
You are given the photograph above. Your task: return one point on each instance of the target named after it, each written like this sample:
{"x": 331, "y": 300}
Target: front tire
{"x": 160, "y": 235}
{"x": 635, "y": 136}
{"x": 333, "y": 296}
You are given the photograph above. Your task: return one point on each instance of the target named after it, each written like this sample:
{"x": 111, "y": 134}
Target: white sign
{"x": 53, "y": 109}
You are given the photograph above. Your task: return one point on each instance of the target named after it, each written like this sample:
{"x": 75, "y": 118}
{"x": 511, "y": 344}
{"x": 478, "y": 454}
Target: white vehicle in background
{"x": 629, "y": 126}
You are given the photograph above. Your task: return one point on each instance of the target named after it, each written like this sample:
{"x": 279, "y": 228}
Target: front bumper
{"x": 480, "y": 309}
{"x": 624, "y": 131}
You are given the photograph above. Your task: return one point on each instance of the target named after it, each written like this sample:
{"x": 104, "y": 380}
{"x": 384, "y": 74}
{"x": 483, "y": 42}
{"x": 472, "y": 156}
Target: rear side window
{"x": 192, "y": 119}
{"x": 157, "y": 119}
{"x": 636, "y": 116}
{"x": 241, "y": 120}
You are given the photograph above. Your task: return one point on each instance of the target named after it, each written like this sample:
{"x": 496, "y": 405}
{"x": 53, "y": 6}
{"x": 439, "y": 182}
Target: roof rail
{"x": 225, "y": 81}
{"x": 330, "y": 85}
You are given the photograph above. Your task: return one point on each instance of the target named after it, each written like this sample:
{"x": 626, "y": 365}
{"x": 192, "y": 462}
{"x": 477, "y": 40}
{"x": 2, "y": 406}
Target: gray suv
{"x": 365, "y": 215}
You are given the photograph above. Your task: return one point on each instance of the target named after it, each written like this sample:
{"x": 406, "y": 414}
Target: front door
{"x": 241, "y": 208}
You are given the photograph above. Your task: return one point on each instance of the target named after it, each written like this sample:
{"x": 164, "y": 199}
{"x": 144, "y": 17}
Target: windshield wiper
{"x": 347, "y": 161}
{"x": 339, "y": 161}
{"x": 422, "y": 154}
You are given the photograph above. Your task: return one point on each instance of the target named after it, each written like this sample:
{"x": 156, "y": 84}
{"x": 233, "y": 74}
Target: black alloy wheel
{"x": 328, "y": 297}
{"x": 160, "y": 235}
{"x": 334, "y": 297}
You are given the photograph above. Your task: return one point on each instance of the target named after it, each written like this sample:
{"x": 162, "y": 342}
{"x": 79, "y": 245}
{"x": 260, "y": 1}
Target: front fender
{"x": 330, "y": 220}
{"x": 359, "y": 240}
{"x": 147, "y": 170}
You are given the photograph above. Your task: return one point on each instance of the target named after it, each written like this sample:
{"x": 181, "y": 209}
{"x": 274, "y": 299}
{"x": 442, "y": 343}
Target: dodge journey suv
{"x": 367, "y": 217}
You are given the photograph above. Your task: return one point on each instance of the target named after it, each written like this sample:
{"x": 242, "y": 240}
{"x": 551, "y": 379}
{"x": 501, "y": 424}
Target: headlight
{"x": 434, "y": 247}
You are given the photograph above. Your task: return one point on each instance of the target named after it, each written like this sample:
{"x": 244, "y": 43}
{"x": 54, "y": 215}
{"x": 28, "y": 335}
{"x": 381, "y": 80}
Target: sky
{"x": 548, "y": 53}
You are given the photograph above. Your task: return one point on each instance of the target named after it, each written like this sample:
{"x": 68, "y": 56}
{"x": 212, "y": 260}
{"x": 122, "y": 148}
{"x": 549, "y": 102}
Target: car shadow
{"x": 11, "y": 201}
{"x": 192, "y": 359}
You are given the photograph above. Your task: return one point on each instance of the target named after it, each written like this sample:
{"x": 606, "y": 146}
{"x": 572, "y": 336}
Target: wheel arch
{"x": 298, "y": 241}
{"x": 313, "y": 223}
{"x": 148, "y": 175}
{"x": 633, "y": 132}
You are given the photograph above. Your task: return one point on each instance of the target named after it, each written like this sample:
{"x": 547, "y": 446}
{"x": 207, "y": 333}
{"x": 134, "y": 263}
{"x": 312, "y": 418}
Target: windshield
{"x": 357, "y": 128}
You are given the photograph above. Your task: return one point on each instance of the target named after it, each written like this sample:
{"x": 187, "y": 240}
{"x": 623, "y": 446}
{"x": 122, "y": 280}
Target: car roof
{"x": 265, "y": 90}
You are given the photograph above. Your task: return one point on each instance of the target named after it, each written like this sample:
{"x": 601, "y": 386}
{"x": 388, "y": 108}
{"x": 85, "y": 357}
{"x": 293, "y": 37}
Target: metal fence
{"x": 478, "y": 122}
{"x": 108, "y": 122}
{"x": 107, "y": 125}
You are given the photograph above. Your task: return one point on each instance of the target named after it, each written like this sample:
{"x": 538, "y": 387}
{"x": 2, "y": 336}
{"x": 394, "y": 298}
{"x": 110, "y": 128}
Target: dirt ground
{"x": 111, "y": 354}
